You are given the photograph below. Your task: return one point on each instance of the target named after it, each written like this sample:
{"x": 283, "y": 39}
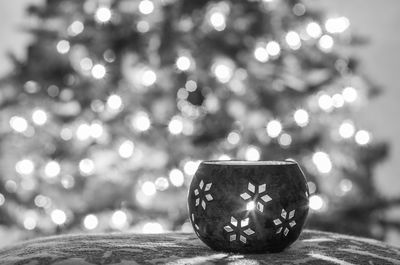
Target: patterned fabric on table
{"x": 313, "y": 247}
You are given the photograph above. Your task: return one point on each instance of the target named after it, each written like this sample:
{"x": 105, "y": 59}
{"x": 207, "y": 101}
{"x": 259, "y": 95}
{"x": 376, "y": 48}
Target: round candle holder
{"x": 248, "y": 207}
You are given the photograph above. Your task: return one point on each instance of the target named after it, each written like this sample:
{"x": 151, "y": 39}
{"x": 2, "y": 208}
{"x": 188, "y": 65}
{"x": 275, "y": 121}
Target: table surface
{"x": 313, "y": 247}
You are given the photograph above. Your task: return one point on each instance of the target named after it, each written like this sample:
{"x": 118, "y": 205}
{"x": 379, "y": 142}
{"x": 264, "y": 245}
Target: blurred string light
{"x": 325, "y": 43}
{"x": 274, "y": 128}
{"x": 148, "y": 188}
{"x": 143, "y": 26}
{"x": 18, "y": 124}
{"x": 191, "y": 85}
{"x": 190, "y": 167}
{"x": 223, "y": 70}
{"x": 273, "y": 48}
{"x": 183, "y": 63}
{"x": 98, "y": 71}
{"x": 337, "y": 100}
{"x": 11, "y": 186}
{"x": 337, "y": 25}
{"x": 103, "y": 14}
{"x": 252, "y": 153}
{"x": 176, "y": 177}
{"x": 362, "y": 137}
{"x": 96, "y": 129}
{"x": 58, "y": 216}
{"x": 126, "y": 149}
{"x": 67, "y": 181}
{"x": 86, "y": 64}
{"x": 141, "y": 121}
{"x": 314, "y": 30}
{"x": 39, "y": 117}
{"x": 152, "y": 228}
{"x": 119, "y": 219}
{"x": 260, "y": 53}
{"x": 30, "y": 222}
{"x": 90, "y": 221}
{"x": 346, "y": 129}
{"x": 233, "y": 138}
{"x": 322, "y": 161}
{"x": 148, "y": 77}
{"x": 325, "y": 102}
{"x": 52, "y": 169}
{"x": 161, "y": 183}
{"x": 75, "y": 28}
{"x": 349, "y": 94}
{"x": 217, "y": 20}
{"x": 312, "y": 188}
{"x": 146, "y": 7}
{"x": 83, "y": 132}
{"x": 175, "y": 126}
{"x": 86, "y": 166}
{"x": 42, "y": 201}
{"x": 63, "y": 46}
{"x": 316, "y": 202}
{"x": 285, "y": 139}
{"x": 114, "y": 102}
{"x": 224, "y": 157}
{"x": 293, "y": 40}
{"x": 2, "y": 199}
{"x": 301, "y": 117}
{"x": 345, "y": 185}
{"x": 25, "y": 167}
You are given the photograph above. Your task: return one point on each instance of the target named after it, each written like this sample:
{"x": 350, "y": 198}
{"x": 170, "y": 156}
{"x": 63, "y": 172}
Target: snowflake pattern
{"x": 203, "y": 195}
{"x": 285, "y": 222}
{"x": 238, "y": 229}
{"x": 257, "y": 198}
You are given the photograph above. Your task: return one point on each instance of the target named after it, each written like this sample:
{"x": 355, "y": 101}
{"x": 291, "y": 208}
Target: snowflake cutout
{"x": 196, "y": 226}
{"x": 285, "y": 222}
{"x": 237, "y": 229}
{"x": 258, "y": 198}
{"x": 203, "y": 195}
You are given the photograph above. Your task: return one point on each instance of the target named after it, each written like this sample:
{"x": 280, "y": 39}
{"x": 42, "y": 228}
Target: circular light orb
{"x": 86, "y": 64}
{"x": 274, "y": 128}
{"x": 346, "y": 185}
{"x": 337, "y": 24}
{"x": 325, "y": 102}
{"x": 148, "y": 78}
{"x": 273, "y": 48}
{"x": 148, "y": 188}
{"x": 25, "y": 167}
{"x": 63, "y": 46}
{"x": 252, "y": 153}
{"x": 141, "y": 121}
{"x": 337, "y": 100}
{"x": 103, "y": 14}
{"x": 218, "y": 20}
{"x": 83, "y": 132}
{"x": 161, "y": 183}
{"x": 90, "y": 221}
{"x": 98, "y": 71}
{"x": 322, "y": 161}
{"x": 183, "y": 63}
{"x": 114, "y": 102}
{"x": 58, "y": 216}
{"x": 261, "y": 54}
{"x": 146, "y": 7}
{"x": 349, "y": 94}
{"x": 362, "y": 137}
{"x": 39, "y": 117}
{"x": 190, "y": 167}
{"x": 175, "y": 126}
{"x": 126, "y": 149}
{"x": 314, "y": 30}
{"x": 30, "y": 223}
{"x": 346, "y": 129}
{"x": 119, "y": 219}
{"x": 143, "y": 26}
{"x": 293, "y": 40}
{"x": 2, "y": 199}
{"x": 86, "y": 166}
{"x": 285, "y": 139}
{"x": 301, "y": 117}
{"x": 326, "y": 43}
{"x": 176, "y": 177}
{"x": 75, "y": 28}
{"x": 233, "y": 138}
{"x": 18, "y": 124}
{"x": 152, "y": 228}
{"x": 52, "y": 169}
{"x": 191, "y": 85}
{"x": 316, "y": 202}
{"x": 96, "y": 129}
{"x": 223, "y": 71}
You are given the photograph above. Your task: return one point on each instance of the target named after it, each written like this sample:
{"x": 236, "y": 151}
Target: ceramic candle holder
{"x": 248, "y": 207}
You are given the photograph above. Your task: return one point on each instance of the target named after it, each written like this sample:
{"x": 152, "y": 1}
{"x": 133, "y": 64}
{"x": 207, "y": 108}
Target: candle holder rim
{"x": 249, "y": 163}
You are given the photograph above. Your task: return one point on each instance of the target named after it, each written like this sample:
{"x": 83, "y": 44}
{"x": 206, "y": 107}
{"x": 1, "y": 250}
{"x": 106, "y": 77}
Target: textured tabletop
{"x": 177, "y": 248}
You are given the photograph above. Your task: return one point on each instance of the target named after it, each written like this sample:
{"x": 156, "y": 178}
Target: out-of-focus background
{"x": 379, "y": 60}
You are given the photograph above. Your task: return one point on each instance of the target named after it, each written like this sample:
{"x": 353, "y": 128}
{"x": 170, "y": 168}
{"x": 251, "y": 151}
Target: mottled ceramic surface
{"x": 248, "y": 207}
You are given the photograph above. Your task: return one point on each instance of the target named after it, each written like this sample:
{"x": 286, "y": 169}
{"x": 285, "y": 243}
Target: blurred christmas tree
{"x": 105, "y": 122}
